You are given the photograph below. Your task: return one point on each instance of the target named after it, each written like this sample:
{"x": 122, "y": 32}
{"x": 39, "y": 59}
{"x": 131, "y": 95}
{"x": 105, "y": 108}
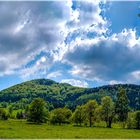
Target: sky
{"x": 83, "y": 43}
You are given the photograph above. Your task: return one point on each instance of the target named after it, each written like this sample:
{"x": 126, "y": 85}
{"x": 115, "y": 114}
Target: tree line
{"x": 87, "y": 114}
{"x": 59, "y": 95}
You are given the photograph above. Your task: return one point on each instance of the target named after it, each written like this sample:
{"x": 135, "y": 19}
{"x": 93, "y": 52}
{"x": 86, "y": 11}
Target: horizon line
{"x": 70, "y": 84}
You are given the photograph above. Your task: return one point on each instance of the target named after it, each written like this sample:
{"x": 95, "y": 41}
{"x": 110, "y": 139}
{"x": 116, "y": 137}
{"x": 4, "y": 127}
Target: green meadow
{"x": 22, "y": 129}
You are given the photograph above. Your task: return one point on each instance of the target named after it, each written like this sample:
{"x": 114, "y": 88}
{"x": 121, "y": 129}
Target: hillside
{"x": 62, "y": 94}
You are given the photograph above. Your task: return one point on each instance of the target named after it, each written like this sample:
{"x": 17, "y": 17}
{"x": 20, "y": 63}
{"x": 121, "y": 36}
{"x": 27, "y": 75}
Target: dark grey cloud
{"x": 3, "y": 66}
{"x": 106, "y": 60}
{"x": 27, "y": 28}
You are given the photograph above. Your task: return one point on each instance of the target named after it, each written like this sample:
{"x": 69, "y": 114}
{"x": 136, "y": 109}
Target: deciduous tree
{"x": 107, "y": 110}
{"x": 37, "y": 111}
{"x": 79, "y": 115}
{"x": 121, "y": 106}
{"x": 91, "y": 106}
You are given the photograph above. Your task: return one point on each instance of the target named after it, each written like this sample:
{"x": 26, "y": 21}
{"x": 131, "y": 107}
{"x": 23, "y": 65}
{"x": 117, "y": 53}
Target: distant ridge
{"x": 63, "y": 94}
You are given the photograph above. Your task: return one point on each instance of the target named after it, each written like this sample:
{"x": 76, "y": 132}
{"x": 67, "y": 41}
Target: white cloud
{"x": 85, "y": 19}
{"x": 126, "y": 37}
{"x": 41, "y": 61}
{"x": 28, "y": 30}
{"x": 64, "y": 34}
{"x": 109, "y": 59}
{"x": 85, "y": 14}
{"x": 37, "y": 27}
{"x": 135, "y": 75}
{"x": 75, "y": 82}
{"x": 54, "y": 74}
{"x": 113, "y": 82}
{"x": 37, "y": 70}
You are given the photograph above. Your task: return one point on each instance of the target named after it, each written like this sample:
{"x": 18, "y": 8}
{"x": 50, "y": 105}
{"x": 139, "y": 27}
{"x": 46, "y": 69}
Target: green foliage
{"x": 10, "y": 110}
{"x": 98, "y": 113}
{"x": 131, "y": 120}
{"x": 79, "y": 115}
{"x": 37, "y": 112}
{"x": 20, "y": 115}
{"x": 137, "y": 120}
{"x": 121, "y": 107}
{"x": 34, "y": 99}
{"x": 60, "y": 115}
{"x": 59, "y": 95}
{"x": 107, "y": 110}
{"x": 137, "y": 101}
{"x": 90, "y": 107}
{"x": 3, "y": 114}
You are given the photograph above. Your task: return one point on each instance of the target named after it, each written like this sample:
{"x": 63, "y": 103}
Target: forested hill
{"x": 62, "y": 94}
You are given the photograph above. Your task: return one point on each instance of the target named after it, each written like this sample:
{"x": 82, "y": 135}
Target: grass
{"x": 22, "y": 129}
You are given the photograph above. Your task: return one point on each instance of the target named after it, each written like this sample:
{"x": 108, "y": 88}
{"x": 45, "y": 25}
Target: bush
{"x": 3, "y": 114}
{"x": 131, "y": 122}
{"x": 20, "y": 115}
{"x": 137, "y": 119}
{"x": 60, "y": 115}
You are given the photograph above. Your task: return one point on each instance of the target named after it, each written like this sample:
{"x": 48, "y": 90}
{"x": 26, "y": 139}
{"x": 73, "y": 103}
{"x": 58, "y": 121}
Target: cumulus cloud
{"x": 85, "y": 22}
{"x": 112, "y": 82}
{"x": 32, "y": 27}
{"x": 86, "y": 14}
{"x": 113, "y": 58}
{"x": 54, "y": 74}
{"x": 35, "y": 27}
{"x": 71, "y": 32}
{"x": 74, "y": 82}
{"x": 37, "y": 70}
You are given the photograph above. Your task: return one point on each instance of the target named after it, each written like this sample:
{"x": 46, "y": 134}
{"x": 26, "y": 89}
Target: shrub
{"x": 137, "y": 119}
{"x": 3, "y": 114}
{"x": 60, "y": 115}
{"x": 131, "y": 122}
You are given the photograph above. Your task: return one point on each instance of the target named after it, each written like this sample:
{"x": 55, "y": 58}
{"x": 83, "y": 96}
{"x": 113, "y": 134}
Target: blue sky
{"x": 84, "y": 43}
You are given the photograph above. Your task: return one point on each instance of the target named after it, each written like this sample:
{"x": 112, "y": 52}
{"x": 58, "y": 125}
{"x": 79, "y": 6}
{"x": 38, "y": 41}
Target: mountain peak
{"x": 43, "y": 81}
{"x": 62, "y": 94}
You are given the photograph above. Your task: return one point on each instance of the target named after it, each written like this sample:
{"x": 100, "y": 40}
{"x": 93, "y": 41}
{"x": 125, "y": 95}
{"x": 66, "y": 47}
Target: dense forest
{"x": 63, "y": 94}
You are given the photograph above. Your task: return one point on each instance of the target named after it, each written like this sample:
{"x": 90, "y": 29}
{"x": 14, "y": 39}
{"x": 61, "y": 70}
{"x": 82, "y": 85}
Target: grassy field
{"x": 21, "y": 129}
